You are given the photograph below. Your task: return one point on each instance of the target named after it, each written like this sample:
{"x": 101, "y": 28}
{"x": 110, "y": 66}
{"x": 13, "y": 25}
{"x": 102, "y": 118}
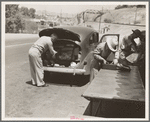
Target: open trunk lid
{"x": 61, "y": 33}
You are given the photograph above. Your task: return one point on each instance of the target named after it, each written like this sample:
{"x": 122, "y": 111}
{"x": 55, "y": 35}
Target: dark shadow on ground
{"x": 65, "y": 79}
{"x": 29, "y": 82}
{"x": 115, "y": 109}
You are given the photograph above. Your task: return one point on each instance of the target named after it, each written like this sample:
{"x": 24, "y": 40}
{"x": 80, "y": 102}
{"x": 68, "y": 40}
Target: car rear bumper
{"x": 64, "y": 70}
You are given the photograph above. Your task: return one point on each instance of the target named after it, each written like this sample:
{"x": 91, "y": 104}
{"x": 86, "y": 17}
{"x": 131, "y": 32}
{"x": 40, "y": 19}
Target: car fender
{"x": 90, "y": 63}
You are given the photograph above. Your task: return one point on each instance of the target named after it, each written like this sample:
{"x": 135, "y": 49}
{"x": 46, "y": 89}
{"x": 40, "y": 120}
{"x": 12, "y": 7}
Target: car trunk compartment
{"x": 67, "y": 52}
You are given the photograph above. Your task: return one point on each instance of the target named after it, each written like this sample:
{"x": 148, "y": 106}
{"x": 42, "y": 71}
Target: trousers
{"x": 36, "y": 66}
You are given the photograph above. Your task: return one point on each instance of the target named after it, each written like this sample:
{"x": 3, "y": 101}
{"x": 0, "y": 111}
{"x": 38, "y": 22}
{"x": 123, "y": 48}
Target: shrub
{"x": 121, "y": 6}
{"x": 137, "y": 22}
{"x": 130, "y": 6}
{"x": 107, "y": 20}
{"x": 141, "y": 6}
{"x": 31, "y": 27}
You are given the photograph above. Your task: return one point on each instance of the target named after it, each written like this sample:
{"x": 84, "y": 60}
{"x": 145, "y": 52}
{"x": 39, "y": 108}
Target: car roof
{"x": 83, "y": 32}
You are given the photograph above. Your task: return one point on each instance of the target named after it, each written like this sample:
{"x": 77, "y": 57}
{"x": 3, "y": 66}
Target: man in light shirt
{"x": 103, "y": 50}
{"x": 35, "y": 58}
{"x": 101, "y": 53}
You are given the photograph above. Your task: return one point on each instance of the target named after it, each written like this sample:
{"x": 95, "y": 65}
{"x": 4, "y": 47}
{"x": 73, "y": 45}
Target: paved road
{"x": 24, "y": 100}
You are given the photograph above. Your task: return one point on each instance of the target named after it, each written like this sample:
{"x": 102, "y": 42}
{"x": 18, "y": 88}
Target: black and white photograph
{"x": 75, "y": 60}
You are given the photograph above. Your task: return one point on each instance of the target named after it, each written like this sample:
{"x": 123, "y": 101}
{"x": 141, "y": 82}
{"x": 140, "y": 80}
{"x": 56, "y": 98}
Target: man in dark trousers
{"x": 132, "y": 53}
{"x": 128, "y": 46}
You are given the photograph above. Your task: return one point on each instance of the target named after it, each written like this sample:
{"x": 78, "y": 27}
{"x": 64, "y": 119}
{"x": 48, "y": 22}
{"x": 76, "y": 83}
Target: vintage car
{"x": 74, "y": 48}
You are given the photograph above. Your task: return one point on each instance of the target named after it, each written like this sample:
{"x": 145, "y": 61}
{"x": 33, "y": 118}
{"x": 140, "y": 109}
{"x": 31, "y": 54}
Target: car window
{"x": 107, "y": 37}
{"x": 93, "y": 38}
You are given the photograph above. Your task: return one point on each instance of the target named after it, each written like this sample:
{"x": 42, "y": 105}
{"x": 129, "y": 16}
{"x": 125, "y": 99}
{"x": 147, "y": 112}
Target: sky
{"x": 74, "y": 7}
{"x": 68, "y": 7}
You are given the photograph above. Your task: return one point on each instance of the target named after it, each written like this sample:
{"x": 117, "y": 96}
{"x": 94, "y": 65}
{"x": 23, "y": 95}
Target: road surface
{"x": 24, "y": 100}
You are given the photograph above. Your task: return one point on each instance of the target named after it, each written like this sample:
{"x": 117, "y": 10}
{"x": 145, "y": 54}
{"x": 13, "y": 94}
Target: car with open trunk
{"x": 74, "y": 48}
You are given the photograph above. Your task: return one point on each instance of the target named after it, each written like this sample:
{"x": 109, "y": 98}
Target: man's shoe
{"x": 45, "y": 85}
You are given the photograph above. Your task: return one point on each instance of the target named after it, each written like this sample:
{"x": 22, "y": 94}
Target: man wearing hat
{"x": 128, "y": 46}
{"x": 104, "y": 49}
{"x": 101, "y": 53}
{"x": 140, "y": 62}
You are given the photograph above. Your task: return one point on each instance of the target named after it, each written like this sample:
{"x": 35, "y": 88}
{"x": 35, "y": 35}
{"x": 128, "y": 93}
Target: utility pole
{"x": 100, "y": 21}
{"x": 83, "y": 18}
{"x": 61, "y": 16}
{"x": 135, "y": 15}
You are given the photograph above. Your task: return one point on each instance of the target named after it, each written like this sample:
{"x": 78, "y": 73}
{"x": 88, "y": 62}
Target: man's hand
{"x": 105, "y": 62}
{"x": 122, "y": 55}
{"x": 52, "y": 63}
{"x": 56, "y": 56}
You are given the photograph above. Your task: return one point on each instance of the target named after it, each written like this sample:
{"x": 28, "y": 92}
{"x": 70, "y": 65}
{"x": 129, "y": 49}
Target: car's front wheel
{"x": 93, "y": 73}
{"x": 94, "y": 69}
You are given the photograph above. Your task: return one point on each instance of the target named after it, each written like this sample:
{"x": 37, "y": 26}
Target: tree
{"x": 24, "y": 11}
{"x": 27, "y": 12}
{"x": 129, "y": 6}
{"x": 14, "y": 21}
{"x": 32, "y": 13}
{"x": 141, "y": 6}
{"x": 20, "y": 23}
{"x": 11, "y": 10}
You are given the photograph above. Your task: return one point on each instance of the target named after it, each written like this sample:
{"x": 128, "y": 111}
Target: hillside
{"x": 87, "y": 16}
{"x": 123, "y": 16}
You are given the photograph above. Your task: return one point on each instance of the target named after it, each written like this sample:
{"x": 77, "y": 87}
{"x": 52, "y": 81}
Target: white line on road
{"x": 18, "y": 44}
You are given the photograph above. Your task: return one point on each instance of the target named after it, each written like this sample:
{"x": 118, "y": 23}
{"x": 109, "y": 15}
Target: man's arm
{"x": 99, "y": 58}
{"x": 51, "y": 49}
{"x": 97, "y": 54}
